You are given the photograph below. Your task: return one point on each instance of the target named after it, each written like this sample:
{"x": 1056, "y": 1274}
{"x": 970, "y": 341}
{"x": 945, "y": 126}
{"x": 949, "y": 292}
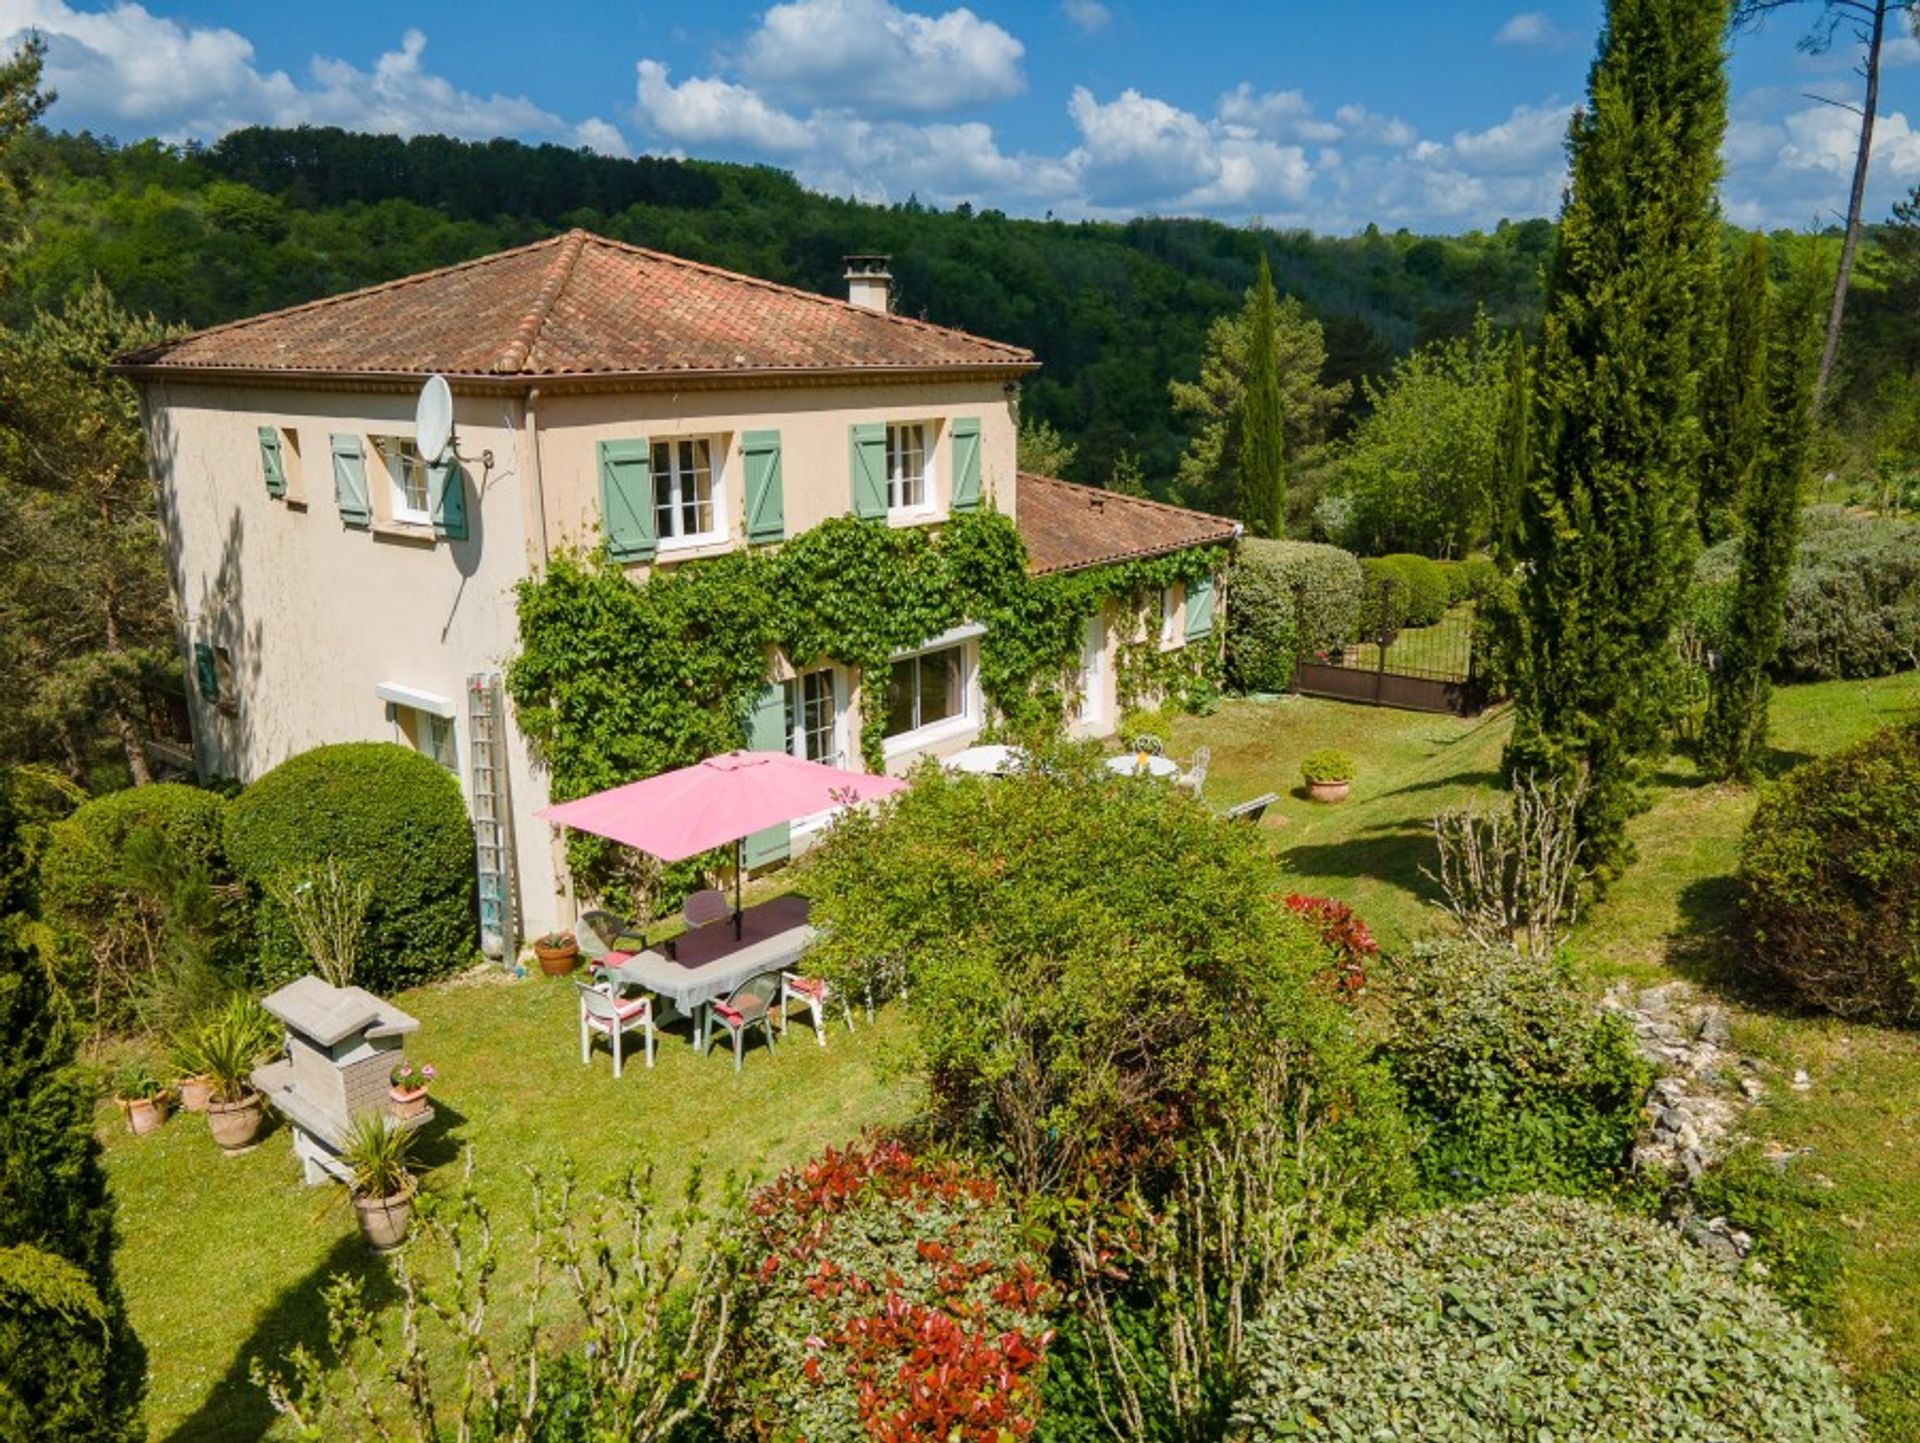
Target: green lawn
{"x": 223, "y": 1257}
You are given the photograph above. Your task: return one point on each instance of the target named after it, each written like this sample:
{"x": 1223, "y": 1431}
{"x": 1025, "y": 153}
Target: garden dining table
{"x": 1142, "y": 764}
{"x": 986, "y": 761}
{"x": 709, "y": 963}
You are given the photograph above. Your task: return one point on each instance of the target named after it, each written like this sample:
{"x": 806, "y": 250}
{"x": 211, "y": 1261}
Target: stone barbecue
{"x": 342, "y": 1042}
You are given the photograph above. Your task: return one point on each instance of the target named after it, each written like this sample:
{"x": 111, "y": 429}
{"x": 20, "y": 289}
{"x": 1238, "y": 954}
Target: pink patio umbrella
{"x": 682, "y": 813}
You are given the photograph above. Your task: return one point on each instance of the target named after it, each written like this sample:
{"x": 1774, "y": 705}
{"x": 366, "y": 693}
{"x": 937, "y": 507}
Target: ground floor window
{"x": 814, "y": 717}
{"x": 926, "y": 689}
{"x": 1093, "y": 646}
{"x": 431, "y": 734}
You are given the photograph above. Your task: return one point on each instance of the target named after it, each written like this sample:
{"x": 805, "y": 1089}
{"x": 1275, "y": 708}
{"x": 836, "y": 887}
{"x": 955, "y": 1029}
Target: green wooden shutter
{"x": 966, "y": 463}
{"x": 270, "y": 464}
{"x": 1199, "y": 607}
{"x": 447, "y": 499}
{"x": 868, "y": 445}
{"x": 766, "y": 503}
{"x": 626, "y": 499}
{"x": 350, "y": 481}
{"x": 205, "y": 672}
{"x": 767, "y": 732}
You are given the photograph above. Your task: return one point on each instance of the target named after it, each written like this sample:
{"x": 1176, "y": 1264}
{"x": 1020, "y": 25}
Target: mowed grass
{"x": 223, "y": 1259}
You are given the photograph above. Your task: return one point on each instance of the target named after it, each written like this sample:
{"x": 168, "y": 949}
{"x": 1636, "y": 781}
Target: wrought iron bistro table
{"x": 1142, "y": 764}
{"x": 710, "y": 963}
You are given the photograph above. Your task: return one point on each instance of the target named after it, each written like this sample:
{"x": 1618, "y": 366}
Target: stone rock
{"x": 1801, "y": 1082}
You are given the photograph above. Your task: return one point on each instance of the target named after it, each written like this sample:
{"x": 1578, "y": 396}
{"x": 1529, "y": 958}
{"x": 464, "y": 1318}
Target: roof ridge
{"x": 527, "y": 333}
{"x": 397, "y": 283}
{"x": 802, "y": 293}
{"x": 1147, "y": 501}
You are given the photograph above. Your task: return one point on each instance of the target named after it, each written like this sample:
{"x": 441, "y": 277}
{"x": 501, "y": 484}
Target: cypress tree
{"x": 1736, "y": 723}
{"x": 1263, "y": 462}
{"x": 1606, "y": 523}
{"x": 71, "y": 1369}
{"x": 1733, "y": 405}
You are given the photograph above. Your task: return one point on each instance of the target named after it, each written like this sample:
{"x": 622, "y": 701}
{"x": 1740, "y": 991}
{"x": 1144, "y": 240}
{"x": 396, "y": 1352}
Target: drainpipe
{"x": 531, "y": 426}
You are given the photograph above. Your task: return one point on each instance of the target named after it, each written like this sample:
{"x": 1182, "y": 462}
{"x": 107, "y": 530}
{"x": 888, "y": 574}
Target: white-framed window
{"x": 927, "y": 689}
{"x": 688, "y": 504}
{"x": 406, "y": 479}
{"x": 909, "y": 467}
{"x": 1093, "y": 646}
{"x": 1169, "y": 616}
{"x": 816, "y": 717}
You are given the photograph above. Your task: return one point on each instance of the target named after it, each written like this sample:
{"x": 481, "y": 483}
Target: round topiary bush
{"x": 1516, "y": 1081}
{"x": 392, "y": 819}
{"x": 1830, "y": 880}
{"x": 1537, "y": 1318}
{"x": 892, "y": 1299}
{"x": 1288, "y": 599}
{"x": 124, "y": 881}
{"x": 1419, "y": 585}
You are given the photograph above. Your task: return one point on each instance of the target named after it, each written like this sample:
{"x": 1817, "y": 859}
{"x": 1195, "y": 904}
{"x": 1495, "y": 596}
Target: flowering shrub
{"x": 408, "y": 1076}
{"x": 889, "y": 1302}
{"x": 1345, "y": 936}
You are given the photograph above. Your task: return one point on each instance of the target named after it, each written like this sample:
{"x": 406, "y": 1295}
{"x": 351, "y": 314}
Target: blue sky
{"x": 1434, "y": 116}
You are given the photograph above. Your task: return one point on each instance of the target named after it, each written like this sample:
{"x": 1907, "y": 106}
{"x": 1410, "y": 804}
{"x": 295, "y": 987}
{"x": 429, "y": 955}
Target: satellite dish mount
{"x": 433, "y": 425}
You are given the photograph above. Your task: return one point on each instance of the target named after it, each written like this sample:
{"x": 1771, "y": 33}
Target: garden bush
{"x": 391, "y": 818}
{"x": 1474, "y": 578}
{"x": 1419, "y": 584}
{"x": 138, "y": 894}
{"x": 891, "y": 1300}
{"x": 1287, "y": 599}
{"x": 1537, "y": 1318}
{"x": 1519, "y": 1083}
{"x": 1830, "y": 880}
{"x": 1853, "y": 600}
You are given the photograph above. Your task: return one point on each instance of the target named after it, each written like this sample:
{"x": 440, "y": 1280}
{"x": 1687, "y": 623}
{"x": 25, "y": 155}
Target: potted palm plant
{"x": 1328, "y": 774}
{"x": 378, "y": 1155}
{"x": 231, "y": 1044}
{"x": 141, "y": 1096}
{"x": 557, "y": 951}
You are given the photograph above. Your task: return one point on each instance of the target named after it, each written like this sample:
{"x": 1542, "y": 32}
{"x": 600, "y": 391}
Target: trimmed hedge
{"x": 1419, "y": 587}
{"x": 1830, "y": 880}
{"x": 1288, "y": 599}
{"x": 109, "y": 882}
{"x": 1515, "y": 1080}
{"x": 1853, "y": 601}
{"x": 392, "y": 818}
{"x": 1539, "y": 1318}
{"x": 1474, "y": 578}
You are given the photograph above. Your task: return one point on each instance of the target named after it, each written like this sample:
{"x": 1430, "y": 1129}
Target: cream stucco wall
{"x": 315, "y": 614}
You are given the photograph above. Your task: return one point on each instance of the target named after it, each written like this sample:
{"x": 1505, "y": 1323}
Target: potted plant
{"x": 378, "y": 1155}
{"x": 410, "y": 1083}
{"x": 142, "y": 1096}
{"x": 557, "y": 951}
{"x": 230, "y": 1045}
{"x": 1328, "y": 774}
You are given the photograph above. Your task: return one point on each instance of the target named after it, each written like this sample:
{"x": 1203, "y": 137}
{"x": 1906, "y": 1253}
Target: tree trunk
{"x": 1855, "y": 200}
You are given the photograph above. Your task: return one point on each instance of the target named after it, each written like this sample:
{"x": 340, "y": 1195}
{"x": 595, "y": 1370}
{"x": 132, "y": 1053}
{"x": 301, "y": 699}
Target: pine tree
{"x": 1606, "y": 513}
{"x": 1736, "y": 723}
{"x": 71, "y": 1369}
{"x": 1263, "y": 461}
{"x": 1733, "y": 405}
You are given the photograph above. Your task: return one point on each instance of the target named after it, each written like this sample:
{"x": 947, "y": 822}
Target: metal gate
{"x": 1426, "y": 668}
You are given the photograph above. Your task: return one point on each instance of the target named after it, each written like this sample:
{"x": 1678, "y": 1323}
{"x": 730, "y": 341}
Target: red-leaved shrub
{"x": 1344, "y": 935}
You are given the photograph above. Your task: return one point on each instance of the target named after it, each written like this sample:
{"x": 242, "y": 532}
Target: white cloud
{"x": 1528, "y": 141}
{"x": 706, "y": 111}
{"x": 872, "y": 56}
{"x": 1533, "y": 28}
{"x": 1089, "y": 16}
{"x": 127, "y": 68}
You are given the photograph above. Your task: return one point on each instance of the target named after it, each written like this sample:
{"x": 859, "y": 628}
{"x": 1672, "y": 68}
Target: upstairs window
{"x": 686, "y": 492}
{"x": 407, "y": 479}
{"x": 908, "y": 486}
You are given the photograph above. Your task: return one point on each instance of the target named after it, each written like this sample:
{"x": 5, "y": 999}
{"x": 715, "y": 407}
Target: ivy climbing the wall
{"x": 616, "y": 681}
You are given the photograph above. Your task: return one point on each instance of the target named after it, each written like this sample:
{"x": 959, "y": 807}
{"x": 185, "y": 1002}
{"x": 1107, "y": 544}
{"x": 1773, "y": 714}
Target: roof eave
{"x": 1222, "y": 538}
{"x": 136, "y": 369}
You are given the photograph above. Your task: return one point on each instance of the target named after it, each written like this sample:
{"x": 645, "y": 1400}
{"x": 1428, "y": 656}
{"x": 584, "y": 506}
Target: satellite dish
{"x": 433, "y": 419}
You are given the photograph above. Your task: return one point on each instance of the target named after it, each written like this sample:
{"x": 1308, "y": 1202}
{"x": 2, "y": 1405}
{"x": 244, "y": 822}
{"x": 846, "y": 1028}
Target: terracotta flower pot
{"x": 408, "y": 1105}
{"x": 144, "y": 1114}
{"x": 194, "y": 1092}
{"x": 557, "y": 961}
{"x": 384, "y": 1220}
{"x": 236, "y": 1125}
{"x": 1328, "y": 791}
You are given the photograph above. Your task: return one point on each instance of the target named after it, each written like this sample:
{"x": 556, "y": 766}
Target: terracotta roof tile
{"x": 1067, "y": 527}
{"x": 579, "y": 305}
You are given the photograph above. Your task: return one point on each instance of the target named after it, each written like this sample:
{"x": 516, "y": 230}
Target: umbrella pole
{"x": 739, "y": 872}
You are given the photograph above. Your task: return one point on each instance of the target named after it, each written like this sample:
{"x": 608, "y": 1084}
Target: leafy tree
{"x": 1733, "y": 403}
{"x": 71, "y": 1368}
{"x": 21, "y": 103}
{"x": 1263, "y": 457}
{"x": 1211, "y": 471}
{"x": 1736, "y": 722}
{"x": 1606, "y": 515}
{"x": 1418, "y": 472}
{"x": 1126, "y": 478}
{"x": 1042, "y": 450}
{"x": 86, "y": 617}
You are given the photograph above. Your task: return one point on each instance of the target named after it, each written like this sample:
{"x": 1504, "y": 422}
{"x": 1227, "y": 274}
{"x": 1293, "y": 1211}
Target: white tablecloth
{"x": 987, "y": 761}
{"x": 1131, "y": 764}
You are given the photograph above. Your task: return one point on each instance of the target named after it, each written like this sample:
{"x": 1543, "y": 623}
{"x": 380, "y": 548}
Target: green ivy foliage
{"x": 616, "y": 681}
{"x": 1543, "y": 1319}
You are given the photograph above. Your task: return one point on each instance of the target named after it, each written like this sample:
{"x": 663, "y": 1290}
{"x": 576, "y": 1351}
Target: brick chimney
{"x": 870, "y": 283}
